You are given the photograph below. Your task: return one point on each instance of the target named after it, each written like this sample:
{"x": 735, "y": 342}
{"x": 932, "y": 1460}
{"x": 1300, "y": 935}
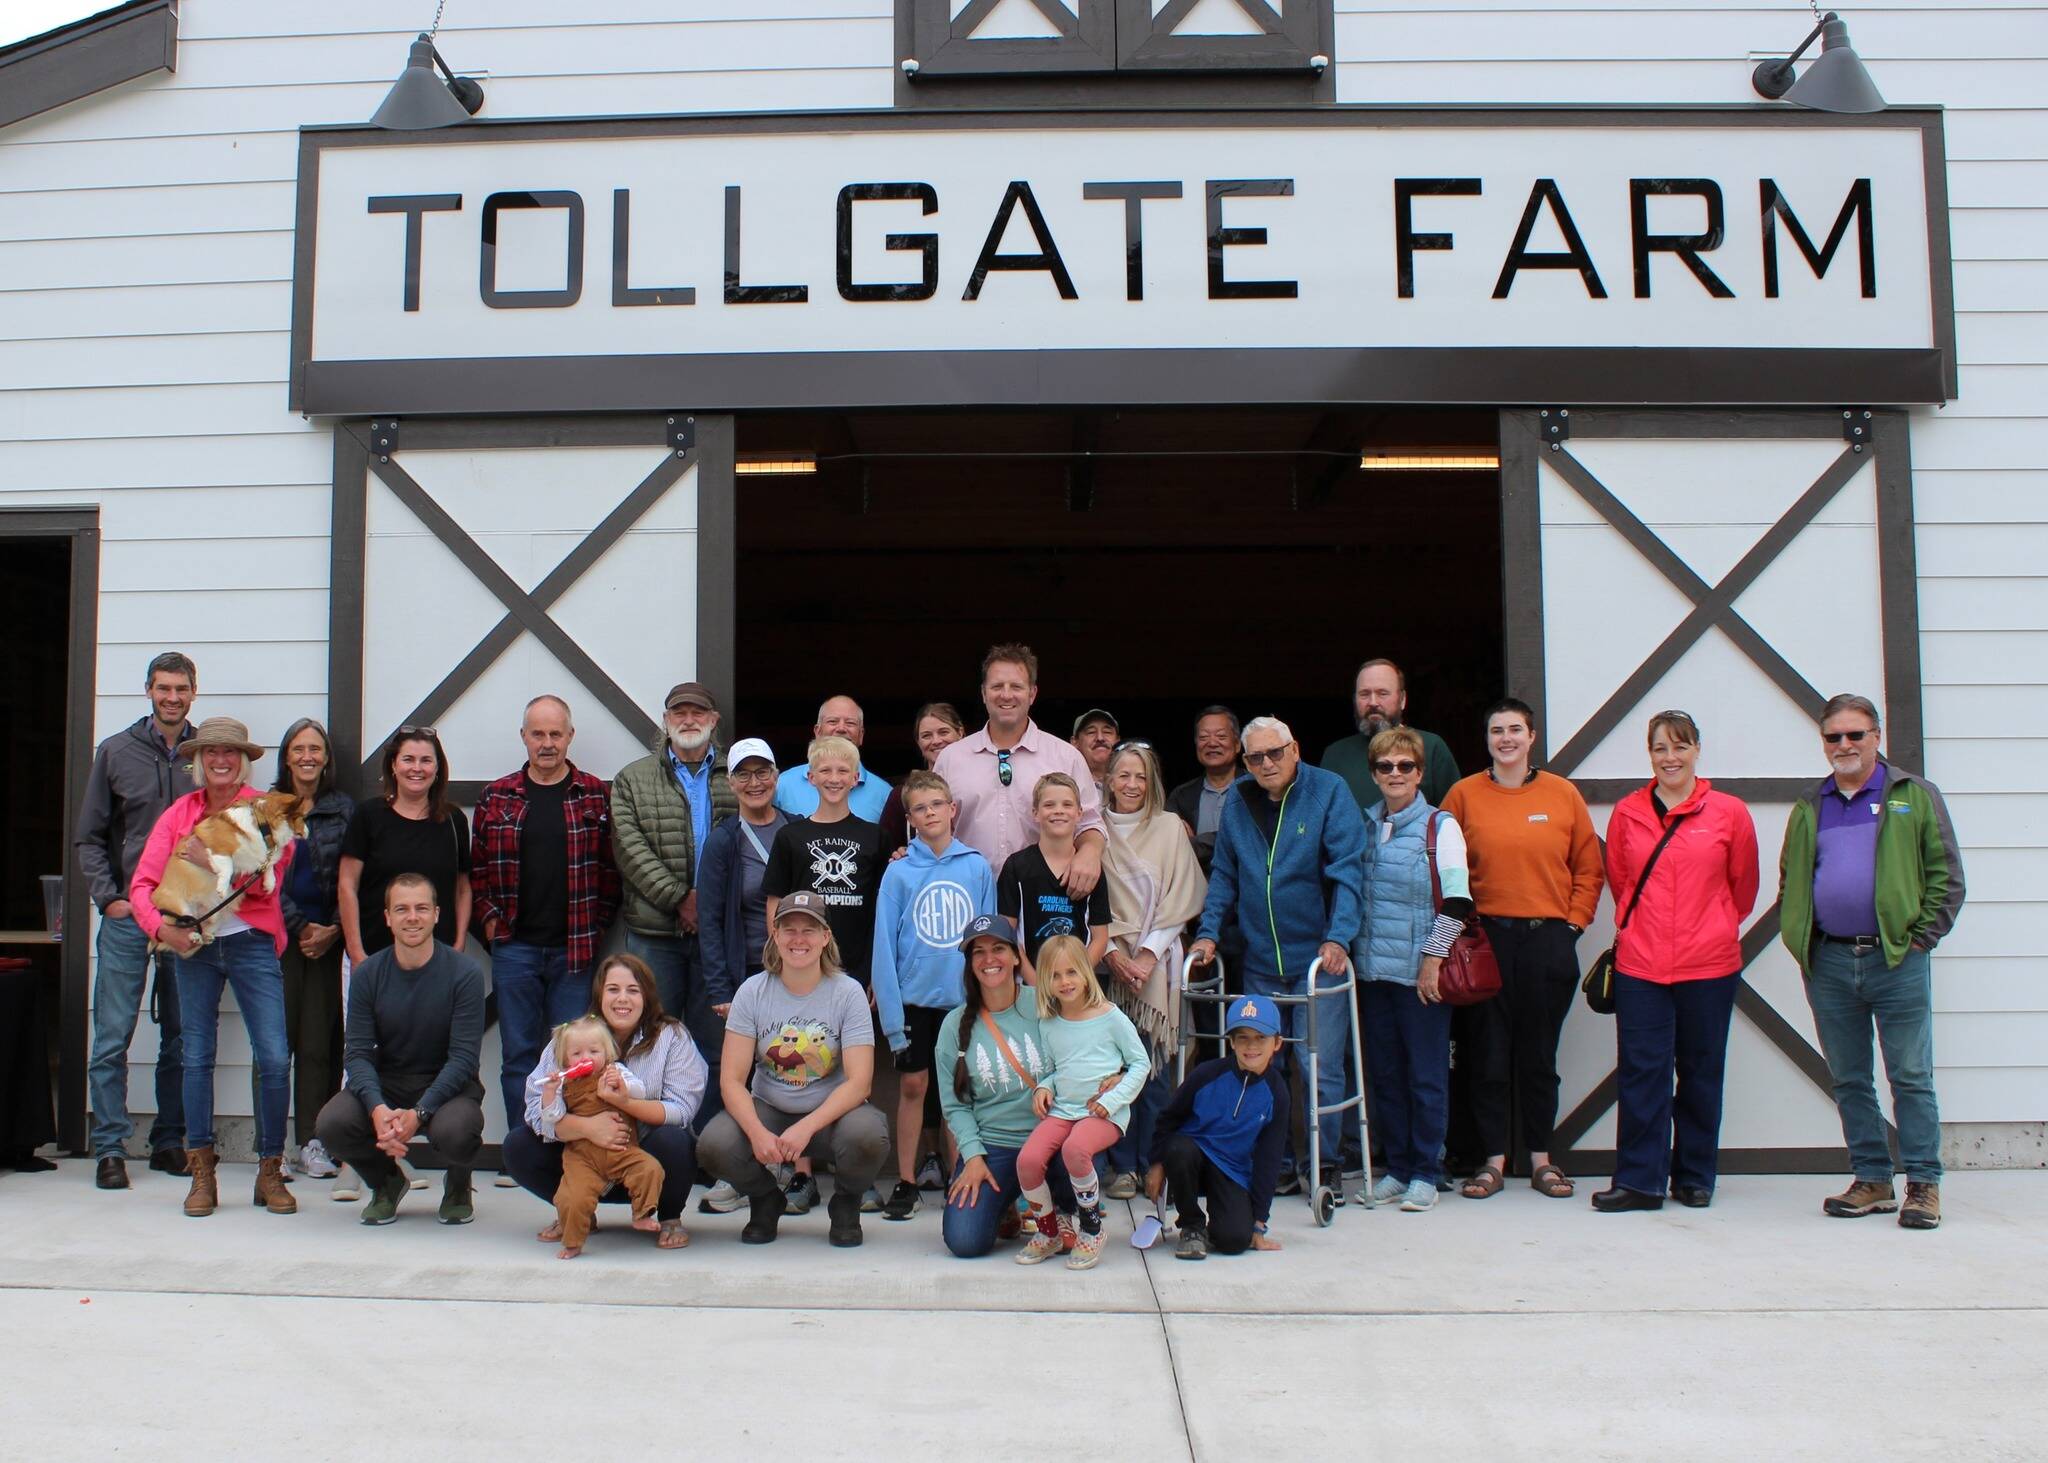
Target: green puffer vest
{"x": 653, "y": 841}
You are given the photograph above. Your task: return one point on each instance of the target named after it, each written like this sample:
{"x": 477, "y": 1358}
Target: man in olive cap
{"x": 664, "y": 807}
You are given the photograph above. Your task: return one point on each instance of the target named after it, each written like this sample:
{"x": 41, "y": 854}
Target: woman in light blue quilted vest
{"x": 1399, "y": 950}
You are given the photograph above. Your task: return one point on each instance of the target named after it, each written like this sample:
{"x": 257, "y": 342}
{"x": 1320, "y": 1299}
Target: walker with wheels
{"x": 1322, "y": 1200}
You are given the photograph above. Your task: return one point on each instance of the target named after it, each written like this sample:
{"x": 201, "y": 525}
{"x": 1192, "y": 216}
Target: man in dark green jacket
{"x": 1379, "y": 699}
{"x": 663, "y": 808}
{"x": 1869, "y": 882}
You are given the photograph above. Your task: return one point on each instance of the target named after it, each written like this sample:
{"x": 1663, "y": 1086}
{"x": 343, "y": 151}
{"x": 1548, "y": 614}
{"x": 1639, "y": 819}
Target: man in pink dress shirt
{"x": 992, "y": 772}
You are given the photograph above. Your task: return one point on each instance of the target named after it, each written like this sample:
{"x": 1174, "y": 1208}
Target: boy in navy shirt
{"x": 1222, "y": 1136}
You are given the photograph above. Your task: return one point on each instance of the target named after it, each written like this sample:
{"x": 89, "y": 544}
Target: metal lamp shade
{"x": 1836, "y": 81}
{"x": 419, "y": 99}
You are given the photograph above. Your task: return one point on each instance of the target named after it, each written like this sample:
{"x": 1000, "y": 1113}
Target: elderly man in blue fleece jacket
{"x": 1289, "y": 869}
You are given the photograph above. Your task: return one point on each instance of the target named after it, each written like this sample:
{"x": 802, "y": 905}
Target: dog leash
{"x": 193, "y": 922}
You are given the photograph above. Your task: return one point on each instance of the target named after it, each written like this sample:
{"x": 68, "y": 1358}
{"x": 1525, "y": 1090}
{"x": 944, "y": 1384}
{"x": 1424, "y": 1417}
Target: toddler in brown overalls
{"x": 588, "y": 1168}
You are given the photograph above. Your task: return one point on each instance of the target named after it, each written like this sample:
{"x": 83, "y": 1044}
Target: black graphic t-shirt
{"x": 843, "y": 861}
{"x": 1029, "y": 893}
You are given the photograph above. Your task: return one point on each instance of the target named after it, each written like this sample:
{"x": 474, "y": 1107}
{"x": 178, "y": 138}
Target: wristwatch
{"x": 420, "y": 1116}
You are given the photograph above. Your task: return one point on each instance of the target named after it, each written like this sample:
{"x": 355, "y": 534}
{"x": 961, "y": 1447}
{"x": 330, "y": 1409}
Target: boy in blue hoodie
{"x": 928, "y": 896}
{"x": 1222, "y": 1136}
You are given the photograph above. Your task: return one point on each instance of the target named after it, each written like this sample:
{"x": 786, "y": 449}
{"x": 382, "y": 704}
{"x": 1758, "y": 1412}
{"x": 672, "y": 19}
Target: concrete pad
{"x": 1515, "y": 1327}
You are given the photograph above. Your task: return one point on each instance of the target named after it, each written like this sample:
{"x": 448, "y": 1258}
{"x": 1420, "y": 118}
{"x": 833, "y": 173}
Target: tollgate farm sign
{"x": 861, "y": 261}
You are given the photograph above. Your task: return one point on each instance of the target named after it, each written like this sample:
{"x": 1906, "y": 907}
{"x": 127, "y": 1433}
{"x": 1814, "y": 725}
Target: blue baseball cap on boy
{"x": 1252, "y": 1013}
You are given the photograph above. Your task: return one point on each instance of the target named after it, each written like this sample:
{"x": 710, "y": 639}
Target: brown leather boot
{"x": 204, "y": 1196}
{"x": 270, "y": 1190}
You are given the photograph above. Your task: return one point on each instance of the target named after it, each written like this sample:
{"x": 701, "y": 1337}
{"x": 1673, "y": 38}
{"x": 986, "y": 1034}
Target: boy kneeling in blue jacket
{"x": 1222, "y": 1136}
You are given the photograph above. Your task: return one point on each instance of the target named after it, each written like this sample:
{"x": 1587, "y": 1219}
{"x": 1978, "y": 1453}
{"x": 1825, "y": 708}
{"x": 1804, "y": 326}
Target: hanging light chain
{"x": 443, "y": 5}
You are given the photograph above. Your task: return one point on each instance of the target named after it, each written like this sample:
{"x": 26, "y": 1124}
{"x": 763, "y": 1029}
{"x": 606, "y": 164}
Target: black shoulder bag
{"x": 1598, "y": 986}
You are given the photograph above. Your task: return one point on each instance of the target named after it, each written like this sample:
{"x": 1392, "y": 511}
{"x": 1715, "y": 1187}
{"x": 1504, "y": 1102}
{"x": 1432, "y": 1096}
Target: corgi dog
{"x": 225, "y": 851}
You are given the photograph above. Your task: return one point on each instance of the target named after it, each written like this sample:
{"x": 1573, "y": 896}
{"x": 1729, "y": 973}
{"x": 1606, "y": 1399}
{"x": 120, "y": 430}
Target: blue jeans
{"x": 679, "y": 978}
{"x": 1133, "y": 1153}
{"x": 1662, "y": 1032}
{"x": 536, "y": 992}
{"x": 1333, "y": 1043}
{"x": 970, "y": 1229}
{"x": 246, "y": 960}
{"x": 1408, "y": 1065}
{"x": 123, "y": 980}
{"x": 1850, "y": 992}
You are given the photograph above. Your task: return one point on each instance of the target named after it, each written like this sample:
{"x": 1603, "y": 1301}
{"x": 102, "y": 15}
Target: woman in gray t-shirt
{"x": 798, "y": 1063}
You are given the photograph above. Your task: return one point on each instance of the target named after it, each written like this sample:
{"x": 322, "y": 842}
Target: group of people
{"x": 1012, "y": 922}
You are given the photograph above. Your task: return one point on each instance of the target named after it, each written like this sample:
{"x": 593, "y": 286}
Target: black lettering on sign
{"x": 1047, "y": 259}
{"x": 487, "y": 268}
{"x": 1856, "y": 205}
{"x": 1572, "y": 256}
{"x": 1406, "y": 240}
{"x": 1221, "y": 238}
{"x": 415, "y": 206}
{"x": 1688, "y": 247}
{"x": 1133, "y": 196}
{"x": 622, "y": 235}
{"x": 751, "y": 294}
{"x": 926, "y": 244}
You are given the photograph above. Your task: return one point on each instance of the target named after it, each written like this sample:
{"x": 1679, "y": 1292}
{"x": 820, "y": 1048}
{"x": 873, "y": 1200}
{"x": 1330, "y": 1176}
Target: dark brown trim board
{"x": 82, "y": 528}
{"x": 1647, "y": 375}
{"x": 63, "y": 65}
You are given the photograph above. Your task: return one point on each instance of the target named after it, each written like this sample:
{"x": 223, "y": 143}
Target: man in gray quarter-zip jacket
{"x": 136, "y": 773}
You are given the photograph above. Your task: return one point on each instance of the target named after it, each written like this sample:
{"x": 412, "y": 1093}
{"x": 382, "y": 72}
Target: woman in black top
{"x": 412, "y": 829}
{"x": 309, "y": 899}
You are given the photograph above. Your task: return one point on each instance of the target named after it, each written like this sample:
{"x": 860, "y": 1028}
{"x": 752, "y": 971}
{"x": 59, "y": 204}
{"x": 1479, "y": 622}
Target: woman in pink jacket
{"x": 248, "y": 938}
{"x": 1678, "y": 959}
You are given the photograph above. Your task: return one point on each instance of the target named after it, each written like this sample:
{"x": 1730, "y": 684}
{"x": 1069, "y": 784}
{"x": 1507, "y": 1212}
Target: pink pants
{"x": 1077, "y": 1140}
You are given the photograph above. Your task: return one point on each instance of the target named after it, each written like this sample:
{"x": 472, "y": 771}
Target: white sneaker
{"x": 1421, "y": 1195}
{"x": 412, "y": 1180}
{"x": 348, "y": 1186}
{"x": 503, "y": 1181}
{"x": 313, "y": 1161}
{"x": 723, "y": 1198}
{"x": 1386, "y": 1189}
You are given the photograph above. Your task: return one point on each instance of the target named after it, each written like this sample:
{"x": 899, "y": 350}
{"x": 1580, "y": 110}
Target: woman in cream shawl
{"x": 1155, "y": 888}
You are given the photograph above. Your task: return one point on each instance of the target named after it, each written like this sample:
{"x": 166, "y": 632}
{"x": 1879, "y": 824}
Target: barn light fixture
{"x": 420, "y": 99}
{"x": 1429, "y": 459}
{"x": 1835, "y": 82}
{"x": 781, "y": 464}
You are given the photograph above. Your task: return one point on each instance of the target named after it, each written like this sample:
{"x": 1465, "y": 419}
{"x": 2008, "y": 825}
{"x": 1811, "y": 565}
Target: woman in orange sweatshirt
{"x": 1536, "y": 880}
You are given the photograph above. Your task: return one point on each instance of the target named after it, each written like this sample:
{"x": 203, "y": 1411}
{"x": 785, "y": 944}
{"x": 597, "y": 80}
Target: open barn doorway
{"x": 1157, "y": 561}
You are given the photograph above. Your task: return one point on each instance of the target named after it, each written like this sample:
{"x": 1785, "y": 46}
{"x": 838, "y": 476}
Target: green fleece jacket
{"x": 1919, "y": 869}
{"x": 653, "y": 841}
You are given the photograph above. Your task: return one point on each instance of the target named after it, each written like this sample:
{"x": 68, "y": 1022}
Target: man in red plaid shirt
{"x": 544, "y": 888}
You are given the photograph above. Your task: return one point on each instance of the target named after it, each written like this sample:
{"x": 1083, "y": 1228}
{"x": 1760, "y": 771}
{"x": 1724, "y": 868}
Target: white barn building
{"x": 1104, "y": 324}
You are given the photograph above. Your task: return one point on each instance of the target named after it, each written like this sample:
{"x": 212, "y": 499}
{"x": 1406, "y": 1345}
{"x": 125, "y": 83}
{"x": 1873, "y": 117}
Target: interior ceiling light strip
{"x": 776, "y": 466}
{"x": 1429, "y": 462}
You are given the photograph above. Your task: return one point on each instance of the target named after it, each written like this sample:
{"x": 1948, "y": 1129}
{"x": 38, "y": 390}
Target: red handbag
{"x": 1470, "y": 973}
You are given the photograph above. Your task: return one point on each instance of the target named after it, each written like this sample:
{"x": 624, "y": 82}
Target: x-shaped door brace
{"x": 1713, "y": 605}
{"x": 973, "y": 14}
{"x": 523, "y": 611}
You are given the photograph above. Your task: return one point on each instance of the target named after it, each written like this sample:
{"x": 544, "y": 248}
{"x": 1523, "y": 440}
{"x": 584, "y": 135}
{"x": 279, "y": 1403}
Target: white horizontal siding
{"x": 145, "y": 249}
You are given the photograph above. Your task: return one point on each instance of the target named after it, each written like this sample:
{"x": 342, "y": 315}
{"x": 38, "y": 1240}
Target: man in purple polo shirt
{"x": 1871, "y": 879}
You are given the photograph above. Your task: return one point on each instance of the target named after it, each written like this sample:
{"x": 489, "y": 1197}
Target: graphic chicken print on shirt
{"x": 798, "y": 1053}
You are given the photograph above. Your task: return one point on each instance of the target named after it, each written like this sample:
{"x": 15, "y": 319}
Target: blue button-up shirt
{"x": 796, "y": 797}
{"x": 696, "y": 785}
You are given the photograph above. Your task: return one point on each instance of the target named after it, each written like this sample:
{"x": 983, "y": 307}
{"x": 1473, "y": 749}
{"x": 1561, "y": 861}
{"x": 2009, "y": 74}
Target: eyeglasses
{"x": 753, "y": 774}
{"x": 1389, "y": 766}
{"x": 1832, "y": 738}
{"x": 1003, "y": 773}
{"x": 1122, "y": 747}
{"x": 1271, "y": 756}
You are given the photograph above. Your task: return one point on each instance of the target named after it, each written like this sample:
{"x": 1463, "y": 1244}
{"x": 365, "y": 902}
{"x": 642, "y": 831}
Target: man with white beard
{"x": 663, "y": 808}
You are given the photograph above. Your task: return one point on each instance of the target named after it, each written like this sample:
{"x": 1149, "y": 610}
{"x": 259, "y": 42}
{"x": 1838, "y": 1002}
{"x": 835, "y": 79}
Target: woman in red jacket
{"x": 1678, "y": 958}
